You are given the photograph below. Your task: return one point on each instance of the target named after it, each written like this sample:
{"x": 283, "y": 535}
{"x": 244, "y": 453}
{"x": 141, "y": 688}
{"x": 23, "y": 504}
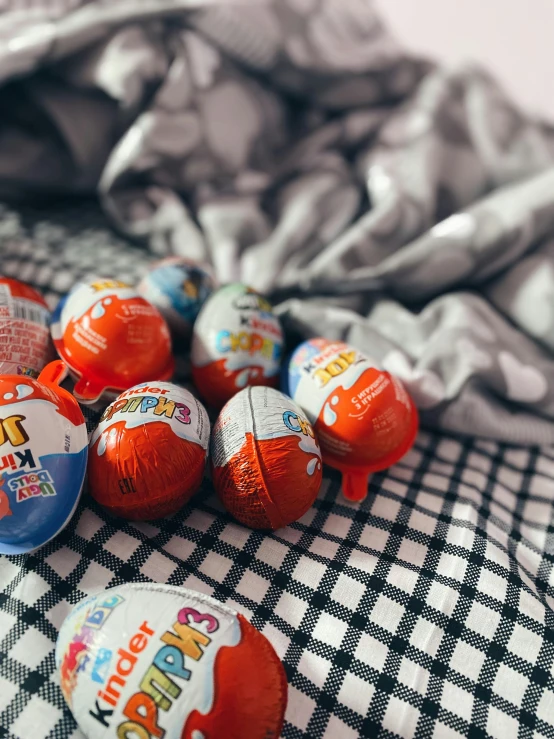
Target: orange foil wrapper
{"x": 266, "y": 462}
{"x": 147, "y": 456}
{"x": 111, "y": 338}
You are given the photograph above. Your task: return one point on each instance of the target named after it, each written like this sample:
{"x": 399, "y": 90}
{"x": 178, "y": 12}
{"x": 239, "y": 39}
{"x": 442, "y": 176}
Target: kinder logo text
{"x": 296, "y": 423}
{"x": 246, "y": 341}
{"x": 156, "y": 405}
{"x": 260, "y": 324}
{"x": 17, "y": 460}
{"x": 32, "y": 485}
{"x": 162, "y": 682}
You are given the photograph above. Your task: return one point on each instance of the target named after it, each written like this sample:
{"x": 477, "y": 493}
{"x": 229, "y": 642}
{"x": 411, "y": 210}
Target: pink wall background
{"x": 513, "y": 38}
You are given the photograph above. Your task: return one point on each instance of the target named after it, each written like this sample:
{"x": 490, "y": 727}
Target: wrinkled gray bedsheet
{"x": 293, "y": 144}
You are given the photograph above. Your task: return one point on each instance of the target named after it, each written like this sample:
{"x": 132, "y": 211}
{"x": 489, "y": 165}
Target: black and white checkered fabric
{"x": 425, "y": 611}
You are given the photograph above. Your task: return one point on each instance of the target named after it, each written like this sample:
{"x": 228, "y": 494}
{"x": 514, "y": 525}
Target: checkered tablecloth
{"x": 424, "y": 611}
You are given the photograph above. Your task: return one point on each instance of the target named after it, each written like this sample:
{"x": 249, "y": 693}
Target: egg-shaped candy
{"x": 266, "y": 462}
{"x": 25, "y": 346}
{"x": 43, "y": 454}
{"x": 237, "y": 342}
{"x": 178, "y": 288}
{"x": 363, "y": 416}
{"x": 111, "y": 338}
{"x": 148, "y": 661}
{"x": 148, "y": 454}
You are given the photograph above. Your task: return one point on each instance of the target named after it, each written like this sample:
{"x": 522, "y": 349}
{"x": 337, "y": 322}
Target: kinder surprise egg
{"x": 111, "y": 338}
{"x": 24, "y": 334}
{"x": 266, "y": 461}
{"x": 364, "y": 418}
{"x": 148, "y": 455}
{"x": 237, "y": 341}
{"x": 178, "y": 288}
{"x": 146, "y": 661}
{"x": 43, "y": 454}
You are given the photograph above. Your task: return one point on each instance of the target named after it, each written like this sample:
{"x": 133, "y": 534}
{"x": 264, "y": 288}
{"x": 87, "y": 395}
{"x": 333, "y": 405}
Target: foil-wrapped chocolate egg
{"x": 111, "y": 338}
{"x": 363, "y": 416}
{"x": 178, "y": 288}
{"x": 150, "y": 661}
{"x": 266, "y": 462}
{"x": 237, "y": 342}
{"x": 148, "y": 454}
{"x": 43, "y": 455}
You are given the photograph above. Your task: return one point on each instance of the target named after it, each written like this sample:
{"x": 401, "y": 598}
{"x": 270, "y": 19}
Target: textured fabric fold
{"x": 297, "y": 147}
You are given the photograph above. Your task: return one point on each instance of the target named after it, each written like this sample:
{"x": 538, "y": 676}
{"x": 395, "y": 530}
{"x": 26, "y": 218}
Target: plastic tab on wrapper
{"x": 149, "y": 660}
{"x": 43, "y": 455}
{"x": 111, "y": 338}
{"x": 363, "y": 417}
{"x": 25, "y": 346}
{"x": 237, "y": 342}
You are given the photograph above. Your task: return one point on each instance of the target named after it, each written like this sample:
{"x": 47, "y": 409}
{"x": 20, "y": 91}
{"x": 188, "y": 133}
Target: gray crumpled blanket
{"x": 374, "y": 196}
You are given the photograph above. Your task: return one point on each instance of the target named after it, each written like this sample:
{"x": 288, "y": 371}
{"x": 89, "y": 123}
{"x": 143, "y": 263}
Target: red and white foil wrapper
{"x": 266, "y": 461}
{"x": 148, "y": 454}
{"x": 237, "y": 342}
{"x": 43, "y": 458}
{"x": 363, "y": 416}
{"x": 25, "y": 346}
{"x": 111, "y": 338}
{"x": 153, "y": 661}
